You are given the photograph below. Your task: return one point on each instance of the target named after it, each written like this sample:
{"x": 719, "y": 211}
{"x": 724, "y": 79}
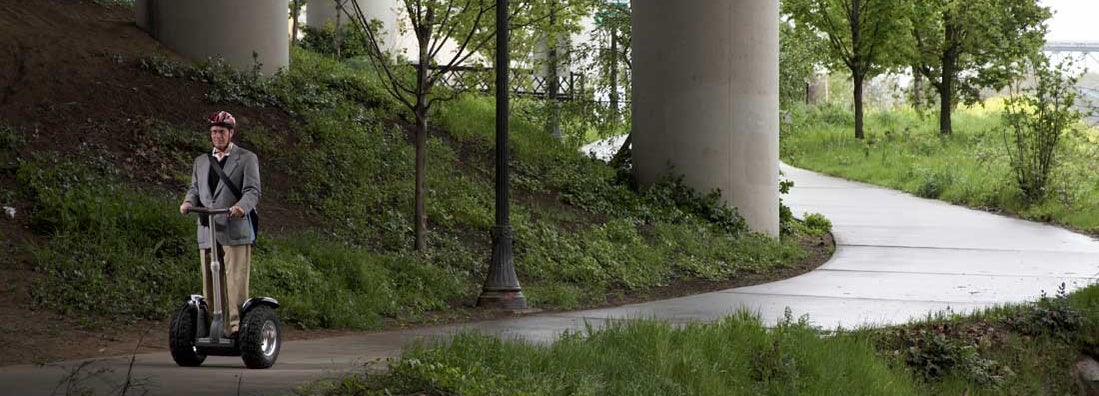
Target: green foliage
{"x": 933, "y": 182}
{"x": 963, "y": 46}
{"x": 316, "y": 82}
{"x": 736, "y": 356}
{"x": 1035, "y": 120}
{"x": 352, "y": 42}
{"x": 817, "y": 223}
{"x": 326, "y": 284}
{"x": 1016, "y": 349}
{"x": 107, "y": 243}
{"x": 946, "y": 354}
{"x": 864, "y": 36}
{"x": 1055, "y": 316}
{"x": 800, "y": 51}
{"x": 933, "y": 355}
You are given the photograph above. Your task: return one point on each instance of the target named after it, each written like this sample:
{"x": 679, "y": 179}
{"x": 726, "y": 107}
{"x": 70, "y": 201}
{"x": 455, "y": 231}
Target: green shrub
{"x": 817, "y": 223}
{"x": 1035, "y": 120}
{"x": 323, "y": 40}
{"x": 1055, "y": 316}
{"x": 933, "y": 355}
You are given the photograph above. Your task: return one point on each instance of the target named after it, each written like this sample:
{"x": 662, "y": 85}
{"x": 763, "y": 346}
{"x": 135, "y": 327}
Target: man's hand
{"x": 237, "y": 212}
{"x": 183, "y": 208}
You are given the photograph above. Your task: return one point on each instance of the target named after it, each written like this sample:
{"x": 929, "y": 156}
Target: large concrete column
{"x": 230, "y": 29}
{"x": 321, "y": 13}
{"x": 705, "y": 99}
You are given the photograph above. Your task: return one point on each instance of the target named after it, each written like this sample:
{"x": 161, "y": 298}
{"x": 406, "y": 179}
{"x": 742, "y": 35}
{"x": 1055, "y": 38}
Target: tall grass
{"x": 737, "y": 356}
{"x": 903, "y": 150}
{"x": 1012, "y": 350}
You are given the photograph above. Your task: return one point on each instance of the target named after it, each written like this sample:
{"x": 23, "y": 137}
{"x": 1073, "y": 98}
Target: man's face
{"x": 220, "y": 136}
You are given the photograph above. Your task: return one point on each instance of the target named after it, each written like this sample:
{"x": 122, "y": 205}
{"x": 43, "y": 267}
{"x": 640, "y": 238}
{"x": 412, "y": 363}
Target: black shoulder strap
{"x": 224, "y": 178}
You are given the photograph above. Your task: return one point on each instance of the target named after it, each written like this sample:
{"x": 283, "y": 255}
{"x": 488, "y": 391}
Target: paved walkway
{"x": 897, "y": 258}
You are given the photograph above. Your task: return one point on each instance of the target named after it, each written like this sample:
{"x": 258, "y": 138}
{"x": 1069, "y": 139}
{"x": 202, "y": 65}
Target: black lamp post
{"x": 502, "y": 289}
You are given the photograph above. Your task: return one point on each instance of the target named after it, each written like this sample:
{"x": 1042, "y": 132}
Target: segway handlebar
{"x": 211, "y": 211}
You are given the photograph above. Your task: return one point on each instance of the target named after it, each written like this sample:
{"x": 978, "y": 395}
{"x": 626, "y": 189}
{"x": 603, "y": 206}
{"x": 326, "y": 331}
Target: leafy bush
{"x": 1054, "y": 316}
{"x": 817, "y": 223}
{"x": 352, "y": 43}
{"x": 934, "y": 355}
{"x": 1035, "y": 121}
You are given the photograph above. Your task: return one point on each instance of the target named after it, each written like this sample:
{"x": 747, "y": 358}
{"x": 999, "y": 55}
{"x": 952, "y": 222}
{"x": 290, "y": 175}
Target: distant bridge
{"x": 1071, "y": 46}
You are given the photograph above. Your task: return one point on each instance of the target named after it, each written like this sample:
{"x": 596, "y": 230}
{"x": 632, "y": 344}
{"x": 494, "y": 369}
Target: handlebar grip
{"x": 207, "y": 210}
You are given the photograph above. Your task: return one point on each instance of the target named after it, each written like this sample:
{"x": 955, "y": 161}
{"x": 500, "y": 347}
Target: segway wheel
{"x": 260, "y": 338}
{"x": 181, "y": 337}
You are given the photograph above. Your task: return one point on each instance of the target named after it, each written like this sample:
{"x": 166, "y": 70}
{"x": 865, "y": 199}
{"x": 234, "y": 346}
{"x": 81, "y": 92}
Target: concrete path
{"x": 897, "y": 258}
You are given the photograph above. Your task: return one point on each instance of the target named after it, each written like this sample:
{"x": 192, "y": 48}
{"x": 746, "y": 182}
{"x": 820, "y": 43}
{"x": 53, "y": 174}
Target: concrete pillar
{"x": 391, "y": 14}
{"x": 141, "y": 14}
{"x": 705, "y": 77}
{"x": 319, "y": 13}
{"x": 230, "y": 29}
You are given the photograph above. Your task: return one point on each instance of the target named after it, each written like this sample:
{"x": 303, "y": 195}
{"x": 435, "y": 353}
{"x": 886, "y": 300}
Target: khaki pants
{"x": 236, "y": 262}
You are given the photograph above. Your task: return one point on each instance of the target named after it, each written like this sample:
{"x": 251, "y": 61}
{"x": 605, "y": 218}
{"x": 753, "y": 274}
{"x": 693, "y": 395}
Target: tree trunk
{"x": 420, "y": 111}
{"x": 337, "y": 35}
{"x": 613, "y": 64}
{"x": 294, "y": 27}
{"x": 421, "y": 176}
{"x": 950, "y": 66}
{"x": 553, "y": 125}
{"x": 946, "y": 93}
{"x": 858, "y": 78}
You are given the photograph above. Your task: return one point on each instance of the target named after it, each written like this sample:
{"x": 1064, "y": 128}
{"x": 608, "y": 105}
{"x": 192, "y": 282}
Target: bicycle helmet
{"x": 224, "y": 119}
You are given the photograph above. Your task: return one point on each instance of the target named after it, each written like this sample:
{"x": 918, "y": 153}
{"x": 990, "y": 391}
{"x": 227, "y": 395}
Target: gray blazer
{"x": 242, "y": 167}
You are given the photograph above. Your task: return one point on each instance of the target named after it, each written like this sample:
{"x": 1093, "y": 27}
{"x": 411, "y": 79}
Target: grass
{"x": 1015, "y": 350}
{"x": 903, "y": 150}
{"x": 582, "y": 233}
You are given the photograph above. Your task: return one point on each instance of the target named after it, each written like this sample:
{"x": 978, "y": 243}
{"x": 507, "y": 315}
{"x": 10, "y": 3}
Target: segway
{"x": 190, "y": 338}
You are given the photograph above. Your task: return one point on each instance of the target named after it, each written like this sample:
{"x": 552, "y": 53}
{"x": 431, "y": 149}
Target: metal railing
{"x": 524, "y": 82}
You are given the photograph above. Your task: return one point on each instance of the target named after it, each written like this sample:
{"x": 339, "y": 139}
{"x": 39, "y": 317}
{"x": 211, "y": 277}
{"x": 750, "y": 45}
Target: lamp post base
{"x": 502, "y": 299}
{"x": 502, "y": 289}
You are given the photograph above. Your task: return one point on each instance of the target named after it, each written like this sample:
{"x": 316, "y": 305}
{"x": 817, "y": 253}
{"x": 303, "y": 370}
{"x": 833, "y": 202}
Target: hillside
{"x": 98, "y": 126}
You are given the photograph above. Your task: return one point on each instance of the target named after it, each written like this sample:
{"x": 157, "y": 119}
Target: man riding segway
{"x": 224, "y": 191}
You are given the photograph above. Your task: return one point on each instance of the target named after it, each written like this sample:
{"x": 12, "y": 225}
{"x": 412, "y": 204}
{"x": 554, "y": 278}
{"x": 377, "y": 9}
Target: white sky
{"x": 1073, "y": 20}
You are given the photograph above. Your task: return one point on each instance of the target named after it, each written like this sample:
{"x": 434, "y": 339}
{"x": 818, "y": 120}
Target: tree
{"x": 614, "y": 35}
{"x": 962, "y": 46}
{"x": 800, "y": 52}
{"x": 463, "y": 28}
{"x": 549, "y": 25}
{"x": 863, "y": 36}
